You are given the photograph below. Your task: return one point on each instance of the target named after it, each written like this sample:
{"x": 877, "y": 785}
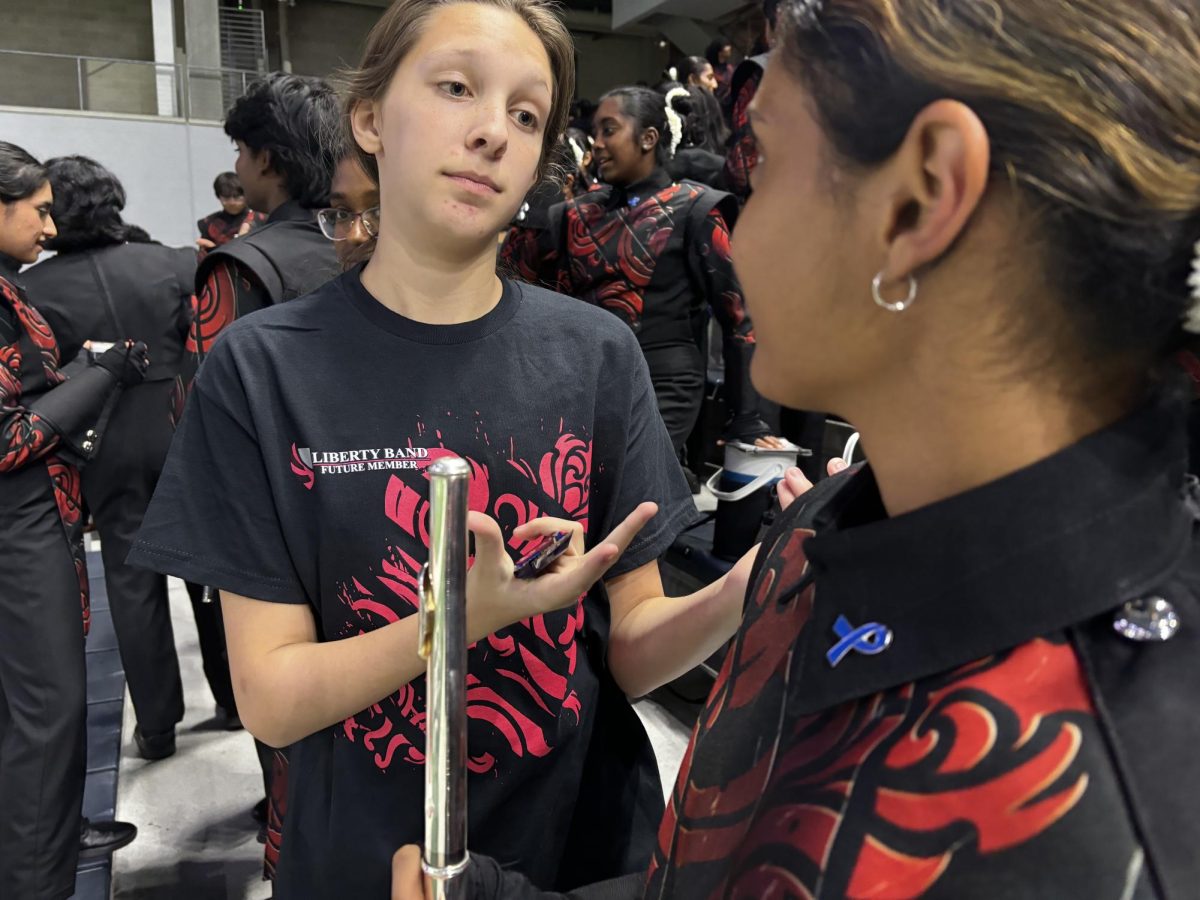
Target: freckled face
{"x": 461, "y": 126}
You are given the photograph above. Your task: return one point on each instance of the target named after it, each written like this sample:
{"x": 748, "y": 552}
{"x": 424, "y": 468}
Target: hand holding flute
{"x": 501, "y": 595}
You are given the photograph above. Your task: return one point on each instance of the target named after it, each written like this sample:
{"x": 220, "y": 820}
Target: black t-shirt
{"x": 298, "y": 476}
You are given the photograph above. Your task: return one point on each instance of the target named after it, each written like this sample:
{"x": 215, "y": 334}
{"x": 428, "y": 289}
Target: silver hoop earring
{"x": 899, "y": 306}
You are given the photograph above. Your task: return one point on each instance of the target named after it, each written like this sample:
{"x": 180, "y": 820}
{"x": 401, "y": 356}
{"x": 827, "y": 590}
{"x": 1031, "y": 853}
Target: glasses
{"x": 336, "y": 224}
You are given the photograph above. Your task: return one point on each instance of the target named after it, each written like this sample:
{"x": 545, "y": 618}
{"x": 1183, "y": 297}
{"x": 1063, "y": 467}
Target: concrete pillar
{"x": 285, "y": 43}
{"x": 162, "y": 14}
{"x": 202, "y": 25}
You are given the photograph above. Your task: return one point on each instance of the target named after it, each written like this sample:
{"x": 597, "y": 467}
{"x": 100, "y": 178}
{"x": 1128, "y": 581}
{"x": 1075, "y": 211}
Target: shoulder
{"x": 47, "y": 281}
{"x": 267, "y": 327}
{"x": 47, "y": 268}
{"x": 748, "y": 74}
{"x": 243, "y": 248}
{"x": 594, "y": 198}
{"x": 153, "y": 251}
{"x": 702, "y": 201}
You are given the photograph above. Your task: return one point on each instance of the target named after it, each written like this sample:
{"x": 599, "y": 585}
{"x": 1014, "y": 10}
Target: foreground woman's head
{"x": 25, "y": 203}
{"x": 1034, "y": 165}
{"x": 456, "y": 106}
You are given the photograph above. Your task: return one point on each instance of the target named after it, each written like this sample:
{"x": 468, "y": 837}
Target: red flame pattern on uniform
{"x": 874, "y": 797}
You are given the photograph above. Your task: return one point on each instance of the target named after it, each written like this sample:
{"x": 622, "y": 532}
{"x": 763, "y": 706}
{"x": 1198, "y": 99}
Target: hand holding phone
{"x": 542, "y": 555}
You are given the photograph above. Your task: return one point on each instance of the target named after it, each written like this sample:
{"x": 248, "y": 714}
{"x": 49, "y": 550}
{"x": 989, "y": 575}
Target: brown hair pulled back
{"x": 1092, "y": 108}
{"x": 399, "y": 29}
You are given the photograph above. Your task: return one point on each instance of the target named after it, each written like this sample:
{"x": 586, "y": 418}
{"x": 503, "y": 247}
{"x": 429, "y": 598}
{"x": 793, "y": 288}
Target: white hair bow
{"x": 1191, "y": 319}
{"x": 673, "y": 118}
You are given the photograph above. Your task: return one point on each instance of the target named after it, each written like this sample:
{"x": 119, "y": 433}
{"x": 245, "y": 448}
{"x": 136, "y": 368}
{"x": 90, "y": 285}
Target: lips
{"x": 474, "y": 182}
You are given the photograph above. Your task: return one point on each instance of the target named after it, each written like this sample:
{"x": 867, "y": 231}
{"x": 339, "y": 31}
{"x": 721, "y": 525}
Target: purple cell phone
{"x": 543, "y": 554}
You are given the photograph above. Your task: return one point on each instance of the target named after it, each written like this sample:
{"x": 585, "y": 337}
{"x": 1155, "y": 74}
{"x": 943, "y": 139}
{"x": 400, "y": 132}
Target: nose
{"x": 489, "y": 131}
{"x": 358, "y": 233}
{"x": 49, "y": 229}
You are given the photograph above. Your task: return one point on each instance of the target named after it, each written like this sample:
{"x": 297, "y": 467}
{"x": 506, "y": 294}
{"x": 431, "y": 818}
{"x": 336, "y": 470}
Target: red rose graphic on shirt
{"x": 519, "y": 685}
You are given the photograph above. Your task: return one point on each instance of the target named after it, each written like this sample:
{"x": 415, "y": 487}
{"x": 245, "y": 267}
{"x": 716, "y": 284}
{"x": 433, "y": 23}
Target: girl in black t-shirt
{"x": 296, "y": 486}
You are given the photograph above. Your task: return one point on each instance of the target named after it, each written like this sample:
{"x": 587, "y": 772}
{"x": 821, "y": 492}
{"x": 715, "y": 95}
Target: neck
{"x": 948, "y": 435}
{"x": 275, "y": 198}
{"x": 417, "y": 282}
{"x": 646, "y": 174}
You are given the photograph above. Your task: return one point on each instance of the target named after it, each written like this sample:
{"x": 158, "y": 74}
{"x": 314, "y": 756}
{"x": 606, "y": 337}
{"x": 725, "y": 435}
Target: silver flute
{"x": 443, "y": 643}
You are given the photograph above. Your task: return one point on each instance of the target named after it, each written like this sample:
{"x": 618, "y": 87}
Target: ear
{"x": 649, "y": 139}
{"x": 262, "y": 159}
{"x": 940, "y": 174}
{"x": 365, "y": 122}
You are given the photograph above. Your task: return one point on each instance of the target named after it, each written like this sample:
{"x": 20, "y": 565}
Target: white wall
{"x": 166, "y": 165}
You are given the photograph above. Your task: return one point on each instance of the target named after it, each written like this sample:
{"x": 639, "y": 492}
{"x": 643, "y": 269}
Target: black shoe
{"x": 228, "y": 719}
{"x": 154, "y": 746}
{"x": 100, "y": 839}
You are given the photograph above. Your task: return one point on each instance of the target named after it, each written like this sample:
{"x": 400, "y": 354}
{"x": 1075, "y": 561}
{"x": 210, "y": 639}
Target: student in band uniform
{"x": 104, "y": 282}
{"x": 50, "y": 426}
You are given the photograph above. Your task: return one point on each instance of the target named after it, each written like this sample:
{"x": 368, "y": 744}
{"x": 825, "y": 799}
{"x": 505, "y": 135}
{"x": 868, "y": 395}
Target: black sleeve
{"x": 485, "y": 880}
{"x": 213, "y": 519}
{"x": 650, "y": 471}
{"x": 711, "y": 266}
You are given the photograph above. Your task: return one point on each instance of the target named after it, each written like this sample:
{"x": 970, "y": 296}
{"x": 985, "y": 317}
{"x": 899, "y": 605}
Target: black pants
{"x": 43, "y": 693}
{"x": 211, "y": 630}
{"x": 677, "y": 374}
{"x": 117, "y": 486}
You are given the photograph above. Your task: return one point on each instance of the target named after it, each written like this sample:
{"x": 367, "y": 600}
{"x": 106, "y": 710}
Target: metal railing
{"x": 122, "y": 86}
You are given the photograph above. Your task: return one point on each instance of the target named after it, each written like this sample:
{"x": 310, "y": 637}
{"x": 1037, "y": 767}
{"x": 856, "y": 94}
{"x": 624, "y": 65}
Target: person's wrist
{"x": 481, "y": 620}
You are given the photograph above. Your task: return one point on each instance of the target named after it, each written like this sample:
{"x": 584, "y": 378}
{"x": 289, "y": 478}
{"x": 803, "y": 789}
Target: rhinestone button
{"x": 87, "y": 446}
{"x": 1147, "y": 619}
{"x": 91, "y": 434}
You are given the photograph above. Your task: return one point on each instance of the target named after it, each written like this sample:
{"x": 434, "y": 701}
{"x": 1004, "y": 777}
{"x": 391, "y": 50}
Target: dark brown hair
{"x": 395, "y": 34}
{"x": 1092, "y": 108}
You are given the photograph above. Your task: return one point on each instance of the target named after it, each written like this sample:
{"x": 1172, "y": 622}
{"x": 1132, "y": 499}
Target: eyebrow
{"x": 466, "y": 54}
{"x": 338, "y": 195}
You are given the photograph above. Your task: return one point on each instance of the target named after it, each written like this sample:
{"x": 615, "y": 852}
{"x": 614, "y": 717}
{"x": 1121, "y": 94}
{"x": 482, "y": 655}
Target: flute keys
{"x": 425, "y": 614}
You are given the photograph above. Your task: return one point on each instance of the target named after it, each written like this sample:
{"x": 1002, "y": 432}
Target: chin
{"x": 779, "y": 385}
{"x": 470, "y": 222}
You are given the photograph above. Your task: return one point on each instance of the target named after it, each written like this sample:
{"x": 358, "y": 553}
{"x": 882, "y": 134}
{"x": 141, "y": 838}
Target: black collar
{"x": 1063, "y": 541}
{"x": 634, "y": 194}
{"x": 9, "y": 267}
{"x": 291, "y": 211}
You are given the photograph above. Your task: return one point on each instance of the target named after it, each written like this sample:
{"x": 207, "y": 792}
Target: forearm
{"x": 665, "y": 637}
{"x": 301, "y": 688}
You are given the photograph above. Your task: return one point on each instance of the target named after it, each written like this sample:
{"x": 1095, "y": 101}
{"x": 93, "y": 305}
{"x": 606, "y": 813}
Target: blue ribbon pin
{"x": 868, "y": 639}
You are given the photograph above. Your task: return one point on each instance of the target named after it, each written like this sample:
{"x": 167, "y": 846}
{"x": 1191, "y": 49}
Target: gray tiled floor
{"x": 196, "y": 839}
